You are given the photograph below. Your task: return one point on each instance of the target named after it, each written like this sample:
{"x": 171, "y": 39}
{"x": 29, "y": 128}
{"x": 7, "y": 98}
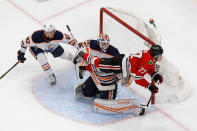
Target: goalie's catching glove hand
{"x": 153, "y": 88}
{"x": 157, "y": 77}
{"x": 21, "y": 58}
{"x": 81, "y": 71}
{"x": 78, "y": 56}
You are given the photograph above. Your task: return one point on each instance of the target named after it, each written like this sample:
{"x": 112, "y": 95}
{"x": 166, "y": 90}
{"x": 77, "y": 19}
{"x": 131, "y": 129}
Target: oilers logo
{"x": 50, "y": 48}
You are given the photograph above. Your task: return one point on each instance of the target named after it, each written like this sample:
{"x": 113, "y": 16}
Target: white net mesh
{"x": 121, "y": 37}
{"x": 173, "y": 88}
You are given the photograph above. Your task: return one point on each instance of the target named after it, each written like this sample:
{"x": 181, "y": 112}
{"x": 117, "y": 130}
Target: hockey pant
{"x": 39, "y": 54}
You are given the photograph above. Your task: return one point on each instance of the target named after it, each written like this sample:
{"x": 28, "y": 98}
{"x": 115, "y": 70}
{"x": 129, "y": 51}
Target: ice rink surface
{"x": 21, "y": 109}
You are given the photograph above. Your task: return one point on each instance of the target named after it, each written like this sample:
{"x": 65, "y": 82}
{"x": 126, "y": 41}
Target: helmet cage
{"x": 103, "y": 41}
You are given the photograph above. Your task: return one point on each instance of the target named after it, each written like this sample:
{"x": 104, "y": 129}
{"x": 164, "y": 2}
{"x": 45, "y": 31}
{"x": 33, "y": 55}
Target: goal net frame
{"x": 148, "y": 42}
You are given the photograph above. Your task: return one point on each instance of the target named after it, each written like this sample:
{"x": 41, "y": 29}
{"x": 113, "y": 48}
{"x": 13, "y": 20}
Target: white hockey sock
{"x": 44, "y": 63}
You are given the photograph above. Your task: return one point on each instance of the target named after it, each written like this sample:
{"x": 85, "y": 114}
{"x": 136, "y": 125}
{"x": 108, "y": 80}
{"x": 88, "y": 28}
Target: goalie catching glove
{"x": 21, "y": 58}
{"x": 80, "y": 71}
{"x": 157, "y": 77}
{"x": 78, "y": 56}
{"x": 153, "y": 88}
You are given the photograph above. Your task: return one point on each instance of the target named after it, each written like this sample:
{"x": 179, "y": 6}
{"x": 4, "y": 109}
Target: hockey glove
{"x": 21, "y": 58}
{"x": 80, "y": 44}
{"x": 152, "y": 88}
{"x": 81, "y": 71}
{"x": 157, "y": 77}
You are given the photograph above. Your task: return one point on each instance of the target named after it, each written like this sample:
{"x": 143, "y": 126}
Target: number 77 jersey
{"x": 139, "y": 65}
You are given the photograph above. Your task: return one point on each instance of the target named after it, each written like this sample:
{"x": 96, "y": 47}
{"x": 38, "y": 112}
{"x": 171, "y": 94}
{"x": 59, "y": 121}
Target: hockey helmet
{"x": 49, "y": 28}
{"x": 156, "y": 50}
{"x": 103, "y": 41}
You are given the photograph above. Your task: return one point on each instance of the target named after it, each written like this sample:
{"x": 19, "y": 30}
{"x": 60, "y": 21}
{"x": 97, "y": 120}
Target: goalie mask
{"x": 103, "y": 41}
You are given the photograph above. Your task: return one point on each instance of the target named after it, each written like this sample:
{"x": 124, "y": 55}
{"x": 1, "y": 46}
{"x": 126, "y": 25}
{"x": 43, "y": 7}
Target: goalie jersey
{"x": 101, "y": 79}
{"x": 136, "y": 65}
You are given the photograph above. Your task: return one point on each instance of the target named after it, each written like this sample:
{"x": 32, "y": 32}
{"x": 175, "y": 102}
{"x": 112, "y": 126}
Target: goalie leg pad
{"x": 78, "y": 91}
{"x": 89, "y": 88}
{"x": 121, "y": 106}
{"x": 108, "y": 94}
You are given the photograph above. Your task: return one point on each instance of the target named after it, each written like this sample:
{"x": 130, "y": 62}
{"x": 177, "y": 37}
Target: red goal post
{"x": 104, "y": 10}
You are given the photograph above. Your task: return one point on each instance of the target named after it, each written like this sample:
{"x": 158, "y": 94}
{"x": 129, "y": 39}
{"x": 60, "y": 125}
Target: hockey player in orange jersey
{"x": 43, "y": 41}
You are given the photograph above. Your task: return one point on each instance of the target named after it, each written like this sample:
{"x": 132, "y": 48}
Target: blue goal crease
{"x": 60, "y": 99}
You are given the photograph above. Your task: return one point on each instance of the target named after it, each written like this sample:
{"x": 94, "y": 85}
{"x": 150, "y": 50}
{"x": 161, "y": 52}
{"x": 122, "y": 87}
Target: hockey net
{"x": 131, "y": 34}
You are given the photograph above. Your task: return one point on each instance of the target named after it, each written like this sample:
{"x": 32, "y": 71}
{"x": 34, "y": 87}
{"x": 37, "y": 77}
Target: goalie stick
{"x": 9, "y": 70}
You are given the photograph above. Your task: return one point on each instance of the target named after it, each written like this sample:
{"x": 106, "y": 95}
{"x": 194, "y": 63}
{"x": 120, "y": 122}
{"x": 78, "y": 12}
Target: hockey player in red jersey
{"x": 131, "y": 68}
{"x": 46, "y": 40}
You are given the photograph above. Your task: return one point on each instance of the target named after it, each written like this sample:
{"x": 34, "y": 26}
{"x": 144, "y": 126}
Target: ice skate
{"x": 143, "y": 108}
{"x": 52, "y": 80}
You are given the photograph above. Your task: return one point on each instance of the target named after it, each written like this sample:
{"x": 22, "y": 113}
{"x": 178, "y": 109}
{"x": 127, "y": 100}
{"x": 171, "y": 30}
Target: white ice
{"x": 21, "y": 111}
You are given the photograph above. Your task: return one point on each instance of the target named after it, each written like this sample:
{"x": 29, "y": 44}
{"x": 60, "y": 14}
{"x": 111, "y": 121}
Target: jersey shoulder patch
{"x": 37, "y": 36}
{"x": 58, "y": 35}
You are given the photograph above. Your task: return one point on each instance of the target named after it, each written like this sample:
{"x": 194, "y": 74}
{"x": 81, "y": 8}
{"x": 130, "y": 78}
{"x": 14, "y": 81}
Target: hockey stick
{"x": 77, "y": 45}
{"x": 9, "y": 70}
{"x": 79, "y": 74}
{"x": 70, "y": 32}
{"x": 149, "y": 100}
{"x": 146, "y": 106}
